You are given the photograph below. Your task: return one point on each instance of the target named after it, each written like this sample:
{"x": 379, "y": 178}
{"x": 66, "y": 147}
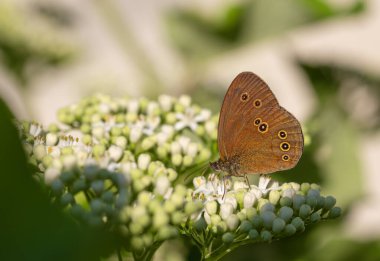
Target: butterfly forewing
{"x": 241, "y": 101}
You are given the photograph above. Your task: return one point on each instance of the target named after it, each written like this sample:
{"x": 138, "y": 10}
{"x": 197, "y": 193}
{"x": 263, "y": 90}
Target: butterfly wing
{"x": 238, "y": 103}
{"x": 278, "y": 147}
{"x": 255, "y": 130}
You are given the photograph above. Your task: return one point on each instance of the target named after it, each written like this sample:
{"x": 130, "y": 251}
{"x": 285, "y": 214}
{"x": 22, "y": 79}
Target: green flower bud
{"x": 211, "y": 207}
{"x": 108, "y": 197}
{"x": 257, "y": 222}
{"x": 57, "y": 186}
{"x": 335, "y": 212}
{"x": 166, "y": 232}
{"x": 286, "y": 202}
{"x": 262, "y": 202}
{"x": 200, "y": 130}
{"x": 170, "y": 118}
{"x": 97, "y": 206}
{"x": 215, "y": 219}
{"x": 85, "y": 128}
{"x": 172, "y": 175}
{"x": 305, "y": 187}
{"x": 116, "y": 131}
{"x": 267, "y": 207}
{"x": 266, "y": 236}
{"x": 137, "y": 243}
{"x": 66, "y": 199}
{"x": 169, "y": 207}
{"x": 312, "y": 201}
{"x": 147, "y": 239}
{"x": 289, "y": 193}
{"x": 98, "y": 150}
{"x": 136, "y": 174}
{"x": 274, "y": 196}
{"x": 177, "y": 217}
{"x": 69, "y": 161}
{"x": 242, "y": 215}
{"x": 192, "y": 207}
{"x": 97, "y": 186}
{"x": 298, "y": 200}
{"x": 79, "y": 185}
{"x": 187, "y": 160}
{"x": 148, "y": 143}
{"x": 53, "y": 128}
{"x": 162, "y": 152}
{"x": 245, "y": 226}
{"x": 278, "y": 225}
{"x": 221, "y": 227}
{"x": 77, "y": 211}
{"x": 52, "y": 174}
{"x": 267, "y": 217}
{"x": 286, "y": 213}
{"x": 136, "y": 229}
{"x": 295, "y": 186}
{"x": 39, "y": 151}
{"x": 304, "y": 211}
{"x": 232, "y": 222}
{"x": 67, "y": 177}
{"x": 154, "y": 205}
{"x": 313, "y": 193}
{"x": 315, "y": 187}
{"x": 290, "y": 230}
{"x": 298, "y": 223}
{"x": 87, "y": 139}
{"x": 144, "y": 198}
{"x": 176, "y": 159}
{"x": 315, "y": 217}
{"x": 228, "y": 238}
{"x": 253, "y": 234}
{"x": 251, "y": 212}
{"x": 160, "y": 219}
{"x": 329, "y": 202}
{"x": 320, "y": 203}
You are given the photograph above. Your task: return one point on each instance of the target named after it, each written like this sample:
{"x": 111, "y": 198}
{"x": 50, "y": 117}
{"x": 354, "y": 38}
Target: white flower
{"x": 184, "y": 143}
{"x": 35, "y": 129}
{"x": 133, "y": 106}
{"x": 166, "y": 102}
{"x": 143, "y": 161}
{"x": 185, "y": 100}
{"x": 191, "y": 119}
{"x": 249, "y": 199}
{"x": 51, "y": 174}
{"x": 192, "y": 149}
{"x": 162, "y": 185}
{"x": 115, "y": 153}
{"x": 226, "y": 209}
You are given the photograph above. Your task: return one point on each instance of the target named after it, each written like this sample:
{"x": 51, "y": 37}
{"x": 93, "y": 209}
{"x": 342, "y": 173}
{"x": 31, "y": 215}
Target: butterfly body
{"x": 255, "y": 134}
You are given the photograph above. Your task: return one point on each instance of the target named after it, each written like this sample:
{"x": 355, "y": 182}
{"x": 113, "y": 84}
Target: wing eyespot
{"x": 263, "y": 127}
{"x": 285, "y": 146}
{"x": 244, "y": 97}
{"x": 257, "y": 103}
{"x": 282, "y": 134}
{"x": 257, "y": 121}
{"x": 285, "y": 157}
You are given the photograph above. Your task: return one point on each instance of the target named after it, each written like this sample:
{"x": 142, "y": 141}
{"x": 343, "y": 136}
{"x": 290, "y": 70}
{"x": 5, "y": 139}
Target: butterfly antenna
{"x": 195, "y": 170}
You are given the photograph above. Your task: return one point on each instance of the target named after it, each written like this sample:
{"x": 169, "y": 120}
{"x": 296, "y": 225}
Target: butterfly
{"x": 255, "y": 134}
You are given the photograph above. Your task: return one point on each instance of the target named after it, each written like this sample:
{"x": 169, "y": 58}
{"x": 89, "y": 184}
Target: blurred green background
{"x": 320, "y": 58}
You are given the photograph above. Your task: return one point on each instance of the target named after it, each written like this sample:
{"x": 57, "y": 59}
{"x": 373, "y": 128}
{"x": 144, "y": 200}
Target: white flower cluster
{"x": 119, "y": 164}
{"x": 243, "y": 214}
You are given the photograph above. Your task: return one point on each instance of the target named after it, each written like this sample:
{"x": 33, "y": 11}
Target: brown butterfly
{"x": 255, "y": 134}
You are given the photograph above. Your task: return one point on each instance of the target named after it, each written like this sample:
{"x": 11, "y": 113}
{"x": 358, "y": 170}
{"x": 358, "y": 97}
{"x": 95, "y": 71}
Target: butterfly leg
{"x": 247, "y": 181}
